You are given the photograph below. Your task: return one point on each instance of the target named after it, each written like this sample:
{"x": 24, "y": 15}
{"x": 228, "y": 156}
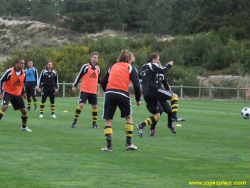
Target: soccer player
{"x": 163, "y": 106}
{"x": 13, "y": 90}
{"x": 48, "y": 85}
{"x": 90, "y": 75}
{"x": 31, "y": 84}
{"x": 152, "y": 93}
{"x": 115, "y": 84}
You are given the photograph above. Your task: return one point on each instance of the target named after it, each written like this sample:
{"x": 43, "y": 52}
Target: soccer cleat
{"x": 53, "y": 116}
{"x": 28, "y": 109}
{"x": 172, "y": 128}
{"x": 73, "y": 124}
{"x": 95, "y": 126}
{"x": 139, "y": 129}
{"x": 177, "y": 119}
{"x": 152, "y": 132}
{"x": 35, "y": 109}
{"x": 26, "y": 129}
{"x": 106, "y": 148}
{"x": 41, "y": 116}
{"x": 131, "y": 146}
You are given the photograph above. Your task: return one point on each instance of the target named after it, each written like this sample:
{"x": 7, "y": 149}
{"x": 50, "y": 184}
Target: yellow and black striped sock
{"x": 129, "y": 132}
{"x": 1, "y": 114}
{"x": 53, "y": 108}
{"x": 77, "y": 113}
{"x": 149, "y": 121}
{"x": 29, "y": 102}
{"x": 35, "y": 102}
{"x": 41, "y": 108}
{"x": 174, "y": 106}
{"x": 24, "y": 120}
{"x": 94, "y": 115}
{"x": 108, "y": 135}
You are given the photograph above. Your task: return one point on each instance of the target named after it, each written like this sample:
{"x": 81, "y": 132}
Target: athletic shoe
{"x": 95, "y": 126}
{"x": 53, "y": 116}
{"x": 26, "y": 129}
{"x": 152, "y": 132}
{"x": 131, "y": 146}
{"x": 73, "y": 124}
{"x": 35, "y": 109}
{"x": 41, "y": 116}
{"x": 172, "y": 128}
{"x": 106, "y": 148}
{"x": 140, "y": 130}
{"x": 177, "y": 119}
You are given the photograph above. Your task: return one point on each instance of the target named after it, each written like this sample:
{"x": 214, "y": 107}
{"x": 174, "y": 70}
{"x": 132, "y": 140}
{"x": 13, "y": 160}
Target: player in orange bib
{"x": 115, "y": 84}
{"x": 89, "y": 74}
{"x": 13, "y": 90}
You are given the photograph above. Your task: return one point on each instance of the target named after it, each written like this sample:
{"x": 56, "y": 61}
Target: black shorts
{"x": 16, "y": 101}
{"x": 112, "y": 100}
{"x": 92, "y": 98}
{"x": 151, "y": 100}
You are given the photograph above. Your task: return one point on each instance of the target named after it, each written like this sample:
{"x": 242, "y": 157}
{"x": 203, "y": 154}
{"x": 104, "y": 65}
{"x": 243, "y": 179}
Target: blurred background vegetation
{"x": 202, "y": 37}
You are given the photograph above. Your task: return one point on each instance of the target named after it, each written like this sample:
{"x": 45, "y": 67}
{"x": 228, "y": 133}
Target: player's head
{"x": 94, "y": 57}
{"x": 154, "y": 57}
{"x": 49, "y": 65}
{"x": 30, "y": 64}
{"x": 126, "y": 56}
{"x": 20, "y": 64}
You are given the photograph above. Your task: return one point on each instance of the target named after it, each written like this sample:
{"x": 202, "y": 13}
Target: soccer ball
{"x": 245, "y": 112}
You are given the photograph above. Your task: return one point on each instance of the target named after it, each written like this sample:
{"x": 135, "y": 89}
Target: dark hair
{"x": 152, "y": 56}
{"x": 126, "y": 56}
{"x": 19, "y": 59}
{"x": 49, "y": 61}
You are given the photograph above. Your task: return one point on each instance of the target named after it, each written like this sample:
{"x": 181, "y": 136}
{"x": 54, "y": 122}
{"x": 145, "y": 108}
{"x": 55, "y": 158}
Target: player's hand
{"x": 36, "y": 87}
{"x": 39, "y": 90}
{"x": 171, "y": 62}
{"x": 138, "y": 103}
{"x": 24, "y": 96}
{"x": 1, "y": 96}
{"x": 56, "y": 90}
{"x": 74, "y": 89}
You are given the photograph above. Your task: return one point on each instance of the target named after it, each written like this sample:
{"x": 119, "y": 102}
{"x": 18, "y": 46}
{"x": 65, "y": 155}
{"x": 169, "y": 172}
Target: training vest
{"x": 90, "y": 80}
{"x": 119, "y": 77}
{"x": 30, "y": 75}
{"x": 14, "y": 85}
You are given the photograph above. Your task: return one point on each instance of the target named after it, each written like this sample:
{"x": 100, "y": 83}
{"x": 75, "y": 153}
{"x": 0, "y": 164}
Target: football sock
{"x": 152, "y": 127}
{"x": 1, "y": 114}
{"x": 35, "y": 102}
{"x": 149, "y": 121}
{"x": 94, "y": 115}
{"x": 24, "y": 120}
{"x": 29, "y": 102}
{"x": 41, "y": 108}
{"x": 53, "y": 108}
{"x": 77, "y": 113}
{"x": 129, "y": 132}
{"x": 108, "y": 134}
{"x": 174, "y": 106}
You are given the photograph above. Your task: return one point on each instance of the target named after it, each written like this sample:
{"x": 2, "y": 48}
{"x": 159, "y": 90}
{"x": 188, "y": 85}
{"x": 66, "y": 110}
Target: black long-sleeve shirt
{"x": 161, "y": 80}
{"x": 148, "y": 76}
{"x": 48, "y": 79}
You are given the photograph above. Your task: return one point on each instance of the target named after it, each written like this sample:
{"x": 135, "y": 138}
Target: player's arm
{"x": 83, "y": 71}
{"x": 99, "y": 79}
{"x": 40, "y": 81}
{"x": 105, "y": 79}
{"x": 5, "y": 76}
{"x": 136, "y": 83}
{"x": 165, "y": 83}
{"x": 36, "y": 75}
{"x": 56, "y": 80}
{"x": 155, "y": 68}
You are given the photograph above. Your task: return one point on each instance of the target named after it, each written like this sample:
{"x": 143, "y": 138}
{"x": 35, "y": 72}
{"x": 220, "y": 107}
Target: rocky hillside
{"x": 26, "y": 34}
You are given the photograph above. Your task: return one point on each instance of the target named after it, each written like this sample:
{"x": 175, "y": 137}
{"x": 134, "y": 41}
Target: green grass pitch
{"x": 212, "y": 146}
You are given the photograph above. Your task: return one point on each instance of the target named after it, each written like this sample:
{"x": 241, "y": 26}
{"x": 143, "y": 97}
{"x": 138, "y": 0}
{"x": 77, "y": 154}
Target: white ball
{"x": 245, "y": 112}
